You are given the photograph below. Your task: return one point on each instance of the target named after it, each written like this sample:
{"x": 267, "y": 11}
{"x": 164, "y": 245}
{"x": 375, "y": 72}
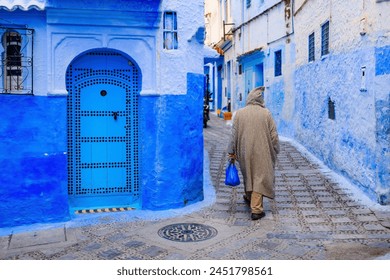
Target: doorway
{"x": 103, "y": 156}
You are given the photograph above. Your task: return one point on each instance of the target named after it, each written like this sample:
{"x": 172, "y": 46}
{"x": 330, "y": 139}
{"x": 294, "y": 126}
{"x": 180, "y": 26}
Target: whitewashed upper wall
{"x": 259, "y": 25}
{"x": 72, "y": 32}
{"x": 213, "y": 22}
{"x": 62, "y": 32}
{"x": 173, "y": 65}
{"x": 353, "y": 24}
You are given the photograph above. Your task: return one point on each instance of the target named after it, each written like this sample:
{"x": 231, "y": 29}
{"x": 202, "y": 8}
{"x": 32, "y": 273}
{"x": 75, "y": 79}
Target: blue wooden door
{"x": 248, "y": 83}
{"x": 103, "y": 131}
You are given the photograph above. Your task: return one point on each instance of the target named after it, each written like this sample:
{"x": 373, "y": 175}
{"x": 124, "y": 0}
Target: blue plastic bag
{"x": 232, "y": 178}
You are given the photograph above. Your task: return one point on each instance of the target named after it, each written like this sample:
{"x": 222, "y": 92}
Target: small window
{"x": 16, "y": 61}
{"x": 239, "y": 69}
{"x": 12, "y": 42}
{"x": 325, "y": 38}
{"x": 248, "y": 3}
{"x": 278, "y": 63}
{"x": 170, "y": 31}
{"x": 311, "y": 47}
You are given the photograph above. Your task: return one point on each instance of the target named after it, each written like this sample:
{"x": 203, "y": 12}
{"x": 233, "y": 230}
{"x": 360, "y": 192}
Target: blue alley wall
{"x": 356, "y": 143}
{"x": 33, "y": 163}
{"x": 382, "y": 114}
{"x": 275, "y": 100}
{"x": 172, "y": 147}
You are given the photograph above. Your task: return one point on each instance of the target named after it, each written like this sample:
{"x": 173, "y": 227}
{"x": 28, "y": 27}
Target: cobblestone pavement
{"x": 312, "y": 217}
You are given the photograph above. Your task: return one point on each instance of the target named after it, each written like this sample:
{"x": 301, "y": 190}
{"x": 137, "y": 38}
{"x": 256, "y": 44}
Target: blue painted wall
{"x": 172, "y": 147}
{"x": 356, "y": 143}
{"x": 33, "y": 170}
{"x": 382, "y": 60}
{"x": 382, "y": 115}
{"x": 33, "y": 163}
{"x": 275, "y": 98}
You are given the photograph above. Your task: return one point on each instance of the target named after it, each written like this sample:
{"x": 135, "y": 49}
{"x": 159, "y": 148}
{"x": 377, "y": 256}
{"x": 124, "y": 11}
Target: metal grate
{"x": 16, "y": 60}
{"x": 325, "y": 38}
{"x": 311, "y": 47}
{"x": 187, "y": 232}
{"x": 103, "y": 127}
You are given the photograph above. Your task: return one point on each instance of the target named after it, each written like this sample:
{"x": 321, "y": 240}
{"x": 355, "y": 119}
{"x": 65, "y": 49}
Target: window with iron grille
{"x": 248, "y": 3}
{"x": 16, "y": 60}
{"x": 170, "y": 31}
{"x": 311, "y": 47}
{"x": 325, "y": 38}
{"x": 278, "y": 63}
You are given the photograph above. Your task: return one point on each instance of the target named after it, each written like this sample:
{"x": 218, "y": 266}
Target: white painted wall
{"x": 63, "y": 34}
{"x": 173, "y": 65}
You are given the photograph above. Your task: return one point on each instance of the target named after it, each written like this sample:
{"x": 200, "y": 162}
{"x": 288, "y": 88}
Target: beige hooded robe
{"x": 255, "y": 143}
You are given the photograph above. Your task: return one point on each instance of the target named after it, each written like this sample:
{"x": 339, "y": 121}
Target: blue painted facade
{"x": 360, "y": 130}
{"x": 33, "y": 160}
{"x": 172, "y": 143}
{"x": 38, "y": 130}
{"x": 253, "y": 71}
{"x": 382, "y": 115}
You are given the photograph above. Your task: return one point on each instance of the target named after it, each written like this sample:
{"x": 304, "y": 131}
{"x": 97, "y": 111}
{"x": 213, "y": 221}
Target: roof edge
{"x": 25, "y": 5}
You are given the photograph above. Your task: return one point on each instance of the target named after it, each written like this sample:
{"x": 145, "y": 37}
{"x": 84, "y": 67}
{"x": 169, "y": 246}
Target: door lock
{"x": 115, "y": 114}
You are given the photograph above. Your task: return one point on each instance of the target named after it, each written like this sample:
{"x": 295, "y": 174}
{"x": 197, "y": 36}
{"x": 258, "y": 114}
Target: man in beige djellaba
{"x": 255, "y": 144}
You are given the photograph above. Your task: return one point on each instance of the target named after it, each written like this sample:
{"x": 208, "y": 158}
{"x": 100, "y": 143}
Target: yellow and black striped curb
{"x": 104, "y": 210}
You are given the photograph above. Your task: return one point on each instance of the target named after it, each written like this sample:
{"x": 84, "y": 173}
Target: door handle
{"x": 115, "y": 114}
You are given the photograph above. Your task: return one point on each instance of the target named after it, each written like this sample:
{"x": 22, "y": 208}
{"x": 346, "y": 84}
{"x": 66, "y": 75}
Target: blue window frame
{"x": 325, "y": 38}
{"x": 170, "y": 40}
{"x": 278, "y": 63}
{"x": 311, "y": 47}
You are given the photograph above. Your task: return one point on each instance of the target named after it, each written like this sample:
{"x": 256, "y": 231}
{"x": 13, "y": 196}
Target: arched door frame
{"x": 103, "y": 90}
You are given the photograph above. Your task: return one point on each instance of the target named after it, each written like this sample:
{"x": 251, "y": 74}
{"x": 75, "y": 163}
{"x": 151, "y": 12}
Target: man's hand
{"x": 232, "y": 157}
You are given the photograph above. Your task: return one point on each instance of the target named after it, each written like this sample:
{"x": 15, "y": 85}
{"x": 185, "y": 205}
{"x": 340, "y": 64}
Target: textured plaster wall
{"x": 134, "y": 27}
{"x": 172, "y": 148}
{"x": 356, "y": 143}
{"x": 280, "y": 93}
{"x": 33, "y": 161}
{"x": 382, "y": 114}
{"x": 212, "y": 19}
{"x": 348, "y": 142}
{"x": 33, "y": 172}
{"x": 173, "y": 65}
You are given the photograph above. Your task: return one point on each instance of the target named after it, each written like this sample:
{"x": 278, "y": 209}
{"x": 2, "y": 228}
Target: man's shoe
{"x": 255, "y": 216}
{"x": 246, "y": 199}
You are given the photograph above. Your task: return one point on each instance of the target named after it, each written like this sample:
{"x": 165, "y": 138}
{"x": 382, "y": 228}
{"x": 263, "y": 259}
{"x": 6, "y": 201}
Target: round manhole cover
{"x": 187, "y": 232}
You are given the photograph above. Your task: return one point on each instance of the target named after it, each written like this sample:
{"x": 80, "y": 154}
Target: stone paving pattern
{"x": 312, "y": 217}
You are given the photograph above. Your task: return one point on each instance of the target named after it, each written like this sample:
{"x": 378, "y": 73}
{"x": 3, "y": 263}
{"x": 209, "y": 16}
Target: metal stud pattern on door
{"x": 103, "y": 130}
